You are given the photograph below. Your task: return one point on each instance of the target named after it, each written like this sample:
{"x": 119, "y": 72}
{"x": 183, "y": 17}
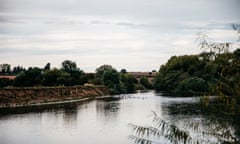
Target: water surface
{"x": 104, "y": 121}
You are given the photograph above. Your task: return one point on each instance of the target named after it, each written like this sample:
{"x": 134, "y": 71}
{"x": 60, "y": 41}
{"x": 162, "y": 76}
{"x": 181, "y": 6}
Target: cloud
{"x": 138, "y": 34}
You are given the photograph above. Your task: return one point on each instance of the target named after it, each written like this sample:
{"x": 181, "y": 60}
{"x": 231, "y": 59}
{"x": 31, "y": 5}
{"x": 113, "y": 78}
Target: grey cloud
{"x": 134, "y": 25}
{"x": 99, "y": 22}
{"x": 102, "y": 28}
{"x": 10, "y": 20}
{"x": 227, "y": 25}
{"x": 161, "y": 9}
{"x": 37, "y": 51}
{"x": 64, "y": 22}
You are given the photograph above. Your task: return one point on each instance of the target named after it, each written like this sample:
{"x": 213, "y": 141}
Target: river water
{"x": 103, "y": 121}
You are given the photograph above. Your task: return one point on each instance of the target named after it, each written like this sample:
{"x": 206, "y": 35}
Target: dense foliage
{"x": 117, "y": 82}
{"x": 68, "y": 75}
{"x": 197, "y": 74}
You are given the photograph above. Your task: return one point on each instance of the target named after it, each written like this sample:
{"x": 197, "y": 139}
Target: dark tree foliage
{"x": 191, "y": 86}
{"x": 117, "y": 82}
{"x": 69, "y": 66}
{"x": 144, "y": 81}
{"x": 108, "y": 76}
{"x": 56, "y": 77}
{"x": 197, "y": 74}
{"x": 31, "y": 77}
{"x": 124, "y": 71}
{"x": 18, "y": 69}
{"x": 76, "y": 75}
{"x": 47, "y": 67}
{"x": 68, "y": 75}
{"x": 100, "y": 70}
{"x": 129, "y": 82}
{"x": 5, "y": 82}
{"x": 5, "y": 68}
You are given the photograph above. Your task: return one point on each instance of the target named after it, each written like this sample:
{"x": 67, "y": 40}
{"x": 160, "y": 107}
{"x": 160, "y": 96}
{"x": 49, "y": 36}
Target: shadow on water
{"x": 68, "y": 108}
{"x": 108, "y": 108}
{"x": 183, "y": 109}
{"x": 187, "y": 123}
{"x": 70, "y": 114}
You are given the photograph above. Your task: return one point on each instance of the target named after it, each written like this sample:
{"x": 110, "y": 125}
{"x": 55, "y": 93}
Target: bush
{"x": 191, "y": 86}
{"x": 5, "y": 82}
{"x": 144, "y": 81}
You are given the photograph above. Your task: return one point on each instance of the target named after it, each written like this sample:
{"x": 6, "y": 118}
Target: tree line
{"x": 200, "y": 74}
{"x": 70, "y": 75}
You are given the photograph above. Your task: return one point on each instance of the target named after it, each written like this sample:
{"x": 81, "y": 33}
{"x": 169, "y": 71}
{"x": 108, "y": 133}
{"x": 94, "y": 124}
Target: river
{"x": 102, "y": 121}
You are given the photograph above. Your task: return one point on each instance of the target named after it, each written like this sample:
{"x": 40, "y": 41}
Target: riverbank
{"x": 36, "y": 96}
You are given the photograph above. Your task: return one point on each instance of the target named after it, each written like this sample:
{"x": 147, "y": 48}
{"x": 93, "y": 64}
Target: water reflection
{"x": 184, "y": 123}
{"x": 103, "y": 121}
{"x": 39, "y": 109}
{"x": 70, "y": 115}
{"x": 108, "y": 109}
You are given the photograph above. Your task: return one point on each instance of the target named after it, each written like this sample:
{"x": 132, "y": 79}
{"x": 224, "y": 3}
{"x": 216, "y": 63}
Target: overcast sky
{"x": 138, "y": 35}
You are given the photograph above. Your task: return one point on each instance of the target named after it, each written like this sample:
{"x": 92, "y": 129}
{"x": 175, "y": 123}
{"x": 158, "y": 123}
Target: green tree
{"x": 117, "y": 82}
{"x": 129, "y": 82}
{"x": 192, "y": 86}
{"x": 179, "y": 70}
{"x": 144, "y": 81}
{"x": 69, "y": 66}
{"x": 124, "y": 71}
{"x": 31, "y": 77}
{"x": 56, "y": 77}
{"x": 110, "y": 78}
{"x": 77, "y": 75}
{"x": 100, "y": 70}
{"x": 5, "y": 68}
{"x": 47, "y": 67}
{"x": 5, "y": 82}
{"x": 18, "y": 69}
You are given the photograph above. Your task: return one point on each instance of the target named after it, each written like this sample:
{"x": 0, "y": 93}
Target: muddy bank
{"x": 20, "y": 97}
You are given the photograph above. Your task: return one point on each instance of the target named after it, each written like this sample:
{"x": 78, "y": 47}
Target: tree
{"x": 69, "y": 66}
{"x": 47, "y": 67}
{"x": 115, "y": 81}
{"x": 77, "y": 75}
{"x": 31, "y": 77}
{"x": 18, "y": 69}
{"x": 5, "y": 68}
{"x": 100, "y": 70}
{"x": 181, "y": 68}
{"x": 129, "y": 82}
{"x": 144, "y": 81}
{"x": 192, "y": 86}
{"x": 5, "y": 82}
{"x": 124, "y": 71}
{"x": 56, "y": 77}
{"x": 110, "y": 76}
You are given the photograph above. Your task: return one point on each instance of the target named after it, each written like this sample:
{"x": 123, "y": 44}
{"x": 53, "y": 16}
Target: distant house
{"x": 11, "y": 77}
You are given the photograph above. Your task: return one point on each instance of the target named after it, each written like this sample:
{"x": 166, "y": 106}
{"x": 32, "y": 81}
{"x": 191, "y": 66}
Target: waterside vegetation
{"x": 70, "y": 75}
{"x": 200, "y": 74}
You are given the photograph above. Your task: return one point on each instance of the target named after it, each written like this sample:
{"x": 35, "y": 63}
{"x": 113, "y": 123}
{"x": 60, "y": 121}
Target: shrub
{"x": 191, "y": 86}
